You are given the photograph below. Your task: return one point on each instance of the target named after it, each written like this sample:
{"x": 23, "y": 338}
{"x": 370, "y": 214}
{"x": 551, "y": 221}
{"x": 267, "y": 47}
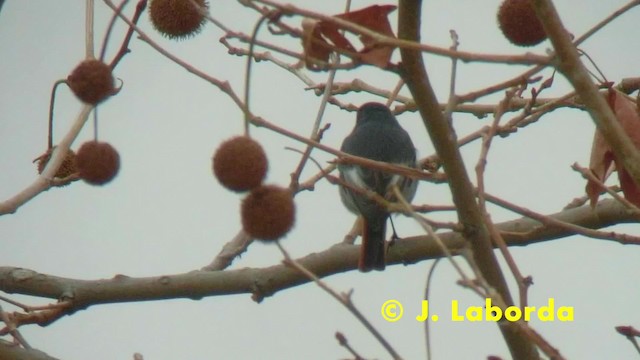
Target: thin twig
{"x": 525, "y": 118}
{"x": 549, "y": 221}
{"x": 427, "y": 289}
{"x": 393, "y": 95}
{"x": 204, "y": 11}
{"x": 310, "y": 183}
{"x": 589, "y": 175}
{"x": 247, "y": 75}
{"x": 523, "y": 283}
{"x": 526, "y": 77}
{"x": 52, "y": 101}
{"x": 342, "y": 340}
{"x": 453, "y": 101}
{"x": 344, "y": 299}
{"x": 124, "y": 48}
{"x": 89, "y": 38}
{"x": 408, "y": 210}
{"x": 107, "y": 34}
{"x": 43, "y": 182}
{"x": 604, "y": 22}
{"x": 631, "y": 334}
{"x": 230, "y": 251}
{"x": 383, "y": 40}
{"x": 12, "y": 329}
{"x": 222, "y": 85}
{"x": 315, "y": 132}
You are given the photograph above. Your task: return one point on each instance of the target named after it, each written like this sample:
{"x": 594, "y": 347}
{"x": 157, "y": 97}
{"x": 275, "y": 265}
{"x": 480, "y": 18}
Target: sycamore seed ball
{"x": 91, "y": 81}
{"x": 519, "y": 24}
{"x": 97, "y": 162}
{"x": 177, "y": 19}
{"x": 268, "y": 212}
{"x": 67, "y": 168}
{"x": 240, "y": 164}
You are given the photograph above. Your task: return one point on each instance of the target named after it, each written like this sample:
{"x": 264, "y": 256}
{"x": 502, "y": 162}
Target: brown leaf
{"x": 627, "y": 114}
{"x": 629, "y": 188}
{"x": 603, "y": 162}
{"x": 376, "y": 18}
{"x": 601, "y": 166}
{"x": 313, "y": 49}
{"x": 320, "y": 38}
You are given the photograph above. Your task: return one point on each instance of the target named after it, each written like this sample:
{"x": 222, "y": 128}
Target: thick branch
{"x": 569, "y": 64}
{"x": 263, "y": 282}
{"x": 444, "y": 141}
{"x": 10, "y": 351}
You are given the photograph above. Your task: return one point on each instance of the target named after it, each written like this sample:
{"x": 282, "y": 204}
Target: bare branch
{"x": 570, "y": 65}
{"x": 265, "y": 282}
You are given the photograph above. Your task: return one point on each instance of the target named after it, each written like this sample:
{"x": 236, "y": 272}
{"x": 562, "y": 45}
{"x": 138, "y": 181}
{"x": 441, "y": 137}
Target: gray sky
{"x": 166, "y": 214}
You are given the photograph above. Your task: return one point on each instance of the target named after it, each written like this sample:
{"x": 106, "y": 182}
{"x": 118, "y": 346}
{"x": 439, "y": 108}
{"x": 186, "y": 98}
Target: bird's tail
{"x": 372, "y": 252}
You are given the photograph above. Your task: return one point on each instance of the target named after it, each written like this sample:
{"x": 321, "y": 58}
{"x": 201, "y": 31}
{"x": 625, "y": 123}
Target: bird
{"x": 377, "y": 135}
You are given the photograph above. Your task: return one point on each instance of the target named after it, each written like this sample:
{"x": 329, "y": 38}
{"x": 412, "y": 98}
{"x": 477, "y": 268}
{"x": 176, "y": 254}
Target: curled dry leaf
{"x": 603, "y": 161}
{"x": 320, "y": 38}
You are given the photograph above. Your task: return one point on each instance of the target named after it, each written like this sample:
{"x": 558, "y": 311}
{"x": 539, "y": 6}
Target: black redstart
{"x": 377, "y": 136}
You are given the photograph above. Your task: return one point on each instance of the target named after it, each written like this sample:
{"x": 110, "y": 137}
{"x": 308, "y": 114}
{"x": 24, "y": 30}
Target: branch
{"x": 569, "y": 64}
{"x": 44, "y": 181}
{"x": 444, "y": 141}
{"x": 343, "y": 298}
{"x": 264, "y": 282}
{"x": 124, "y": 48}
{"x": 525, "y": 59}
{"x": 13, "y": 352}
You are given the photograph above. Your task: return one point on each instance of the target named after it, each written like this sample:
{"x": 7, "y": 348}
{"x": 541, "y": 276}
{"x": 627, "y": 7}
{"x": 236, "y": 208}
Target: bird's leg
{"x": 394, "y": 236}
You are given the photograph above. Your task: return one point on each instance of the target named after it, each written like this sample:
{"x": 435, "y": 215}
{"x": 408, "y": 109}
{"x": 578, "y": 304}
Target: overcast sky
{"x": 166, "y": 214}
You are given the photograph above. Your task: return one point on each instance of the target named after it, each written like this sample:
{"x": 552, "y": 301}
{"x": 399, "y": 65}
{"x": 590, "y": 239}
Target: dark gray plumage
{"x": 377, "y": 135}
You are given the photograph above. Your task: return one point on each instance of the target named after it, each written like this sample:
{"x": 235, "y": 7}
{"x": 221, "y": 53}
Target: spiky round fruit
{"x": 97, "y": 162}
{"x": 240, "y": 164}
{"x": 519, "y": 24}
{"x": 268, "y": 212}
{"x": 67, "y": 168}
{"x": 177, "y": 19}
{"x": 91, "y": 81}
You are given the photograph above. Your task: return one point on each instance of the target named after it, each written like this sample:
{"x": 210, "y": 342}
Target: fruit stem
{"x": 247, "y": 79}
{"x": 51, "y": 106}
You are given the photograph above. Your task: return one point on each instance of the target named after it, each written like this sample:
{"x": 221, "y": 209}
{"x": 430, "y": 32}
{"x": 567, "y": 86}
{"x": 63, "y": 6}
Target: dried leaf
{"x": 603, "y": 161}
{"x": 376, "y": 18}
{"x": 601, "y": 166}
{"x": 320, "y": 38}
{"x": 629, "y": 188}
{"x": 315, "y": 46}
{"x": 627, "y": 114}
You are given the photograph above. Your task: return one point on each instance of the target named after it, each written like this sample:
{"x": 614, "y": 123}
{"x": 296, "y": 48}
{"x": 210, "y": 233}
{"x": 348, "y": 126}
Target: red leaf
{"x": 601, "y": 166}
{"x": 314, "y": 43}
{"x": 320, "y": 38}
{"x": 376, "y": 18}
{"x": 629, "y": 187}
{"x": 627, "y": 114}
{"x": 603, "y": 162}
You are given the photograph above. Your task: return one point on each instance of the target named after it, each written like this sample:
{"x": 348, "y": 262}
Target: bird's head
{"x": 373, "y": 111}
